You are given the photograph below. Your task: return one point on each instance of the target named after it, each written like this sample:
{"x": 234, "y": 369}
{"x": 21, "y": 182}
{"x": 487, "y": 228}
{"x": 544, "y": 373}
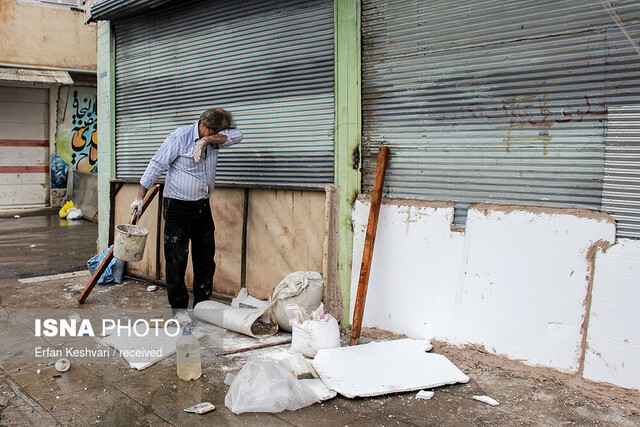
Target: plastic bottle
{"x": 188, "y": 352}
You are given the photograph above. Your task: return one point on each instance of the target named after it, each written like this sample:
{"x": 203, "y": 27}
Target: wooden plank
{"x": 367, "y": 253}
{"x": 227, "y": 206}
{"x": 285, "y": 234}
{"x": 107, "y": 259}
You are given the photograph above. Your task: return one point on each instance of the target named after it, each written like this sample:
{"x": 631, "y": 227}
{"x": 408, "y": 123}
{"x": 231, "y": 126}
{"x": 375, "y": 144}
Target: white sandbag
{"x": 312, "y": 332}
{"x": 266, "y": 386}
{"x": 303, "y": 288}
{"x": 242, "y": 320}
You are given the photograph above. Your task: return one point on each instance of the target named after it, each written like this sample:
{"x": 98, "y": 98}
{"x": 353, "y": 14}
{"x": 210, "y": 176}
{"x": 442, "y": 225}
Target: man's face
{"x": 208, "y": 132}
{"x": 205, "y": 131}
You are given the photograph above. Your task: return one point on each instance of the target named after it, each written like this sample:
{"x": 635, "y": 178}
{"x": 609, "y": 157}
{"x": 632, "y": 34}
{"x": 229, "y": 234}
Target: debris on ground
{"x": 235, "y": 319}
{"x": 152, "y": 288}
{"x": 424, "y": 394}
{"x": 201, "y": 408}
{"x": 486, "y": 399}
{"x": 266, "y": 386}
{"x": 381, "y": 368}
{"x": 63, "y": 365}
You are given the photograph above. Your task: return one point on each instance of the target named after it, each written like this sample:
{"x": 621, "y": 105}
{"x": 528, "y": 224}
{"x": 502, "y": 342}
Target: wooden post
{"x": 367, "y": 253}
{"x": 107, "y": 259}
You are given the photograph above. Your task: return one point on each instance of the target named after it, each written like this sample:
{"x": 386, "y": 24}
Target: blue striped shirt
{"x": 186, "y": 179}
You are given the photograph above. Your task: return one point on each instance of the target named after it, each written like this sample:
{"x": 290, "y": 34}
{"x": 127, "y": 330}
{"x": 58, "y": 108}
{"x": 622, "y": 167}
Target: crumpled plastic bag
{"x": 303, "y": 288}
{"x": 313, "y": 331}
{"x": 113, "y": 272}
{"x": 266, "y": 386}
{"x": 74, "y": 213}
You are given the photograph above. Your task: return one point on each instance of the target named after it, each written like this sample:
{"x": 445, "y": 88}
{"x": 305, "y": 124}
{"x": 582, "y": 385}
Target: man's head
{"x": 216, "y": 119}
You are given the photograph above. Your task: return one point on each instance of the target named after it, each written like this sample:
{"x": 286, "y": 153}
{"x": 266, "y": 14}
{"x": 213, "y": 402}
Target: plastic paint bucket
{"x": 129, "y": 242}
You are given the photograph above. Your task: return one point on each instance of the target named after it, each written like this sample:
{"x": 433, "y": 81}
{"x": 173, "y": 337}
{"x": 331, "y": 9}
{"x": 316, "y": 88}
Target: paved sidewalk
{"x": 113, "y": 394}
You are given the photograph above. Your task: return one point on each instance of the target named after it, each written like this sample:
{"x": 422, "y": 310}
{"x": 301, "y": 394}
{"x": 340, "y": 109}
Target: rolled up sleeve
{"x": 234, "y": 136}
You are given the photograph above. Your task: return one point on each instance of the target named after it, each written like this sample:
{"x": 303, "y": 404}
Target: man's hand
{"x": 136, "y": 207}
{"x": 200, "y": 151}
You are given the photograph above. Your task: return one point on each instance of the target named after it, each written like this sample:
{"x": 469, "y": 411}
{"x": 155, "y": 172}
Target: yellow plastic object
{"x": 62, "y": 213}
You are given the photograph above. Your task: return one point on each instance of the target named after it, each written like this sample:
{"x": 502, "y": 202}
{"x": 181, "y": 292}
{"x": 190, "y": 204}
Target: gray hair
{"x": 216, "y": 117}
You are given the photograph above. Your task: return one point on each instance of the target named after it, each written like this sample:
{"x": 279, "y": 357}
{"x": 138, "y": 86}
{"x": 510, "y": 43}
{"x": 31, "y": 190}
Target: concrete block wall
{"x": 532, "y": 284}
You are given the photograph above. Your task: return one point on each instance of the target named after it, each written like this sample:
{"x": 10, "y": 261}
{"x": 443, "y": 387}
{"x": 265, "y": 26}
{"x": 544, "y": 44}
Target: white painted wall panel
{"x": 414, "y": 271}
{"x": 525, "y": 282}
{"x": 514, "y": 282}
{"x": 613, "y": 338}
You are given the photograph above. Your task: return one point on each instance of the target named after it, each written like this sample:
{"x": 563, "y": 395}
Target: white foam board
{"x": 380, "y": 368}
{"x": 613, "y": 337}
{"x": 414, "y": 271}
{"x": 525, "y": 282}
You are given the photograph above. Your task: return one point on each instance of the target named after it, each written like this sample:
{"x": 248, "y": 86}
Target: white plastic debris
{"x": 201, "y": 408}
{"x": 63, "y": 365}
{"x": 32, "y": 246}
{"x": 266, "y": 386}
{"x": 38, "y": 371}
{"x": 424, "y": 394}
{"x": 486, "y": 399}
{"x": 228, "y": 379}
{"x": 74, "y": 213}
{"x": 16, "y": 216}
{"x": 152, "y": 288}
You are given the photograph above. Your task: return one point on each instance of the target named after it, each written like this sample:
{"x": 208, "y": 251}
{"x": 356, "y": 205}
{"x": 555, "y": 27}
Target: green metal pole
{"x": 106, "y": 127}
{"x": 348, "y": 134}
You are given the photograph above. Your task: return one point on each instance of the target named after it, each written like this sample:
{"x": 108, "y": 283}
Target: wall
{"x": 518, "y": 281}
{"x": 286, "y": 231}
{"x": 46, "y": 37}
{"x": 76, "y": 136}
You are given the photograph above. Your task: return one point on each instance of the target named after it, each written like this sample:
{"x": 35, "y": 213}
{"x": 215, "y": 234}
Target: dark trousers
{"x": 186, "y": 222}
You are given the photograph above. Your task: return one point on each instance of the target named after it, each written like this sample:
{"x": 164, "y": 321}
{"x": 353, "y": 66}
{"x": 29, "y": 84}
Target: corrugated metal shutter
{"x": 269, "y": 63}
{"x": 24, "y": 147}
{"x": 621, "y": 192}
{"x": 495, "y": 101}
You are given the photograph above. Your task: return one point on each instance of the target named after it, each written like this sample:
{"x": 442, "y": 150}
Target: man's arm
{"x": 225, "y": 138}
{"x": 158, "y": 164}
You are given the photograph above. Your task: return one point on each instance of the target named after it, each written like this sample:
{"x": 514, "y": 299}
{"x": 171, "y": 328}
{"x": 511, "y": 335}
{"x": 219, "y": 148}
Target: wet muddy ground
{"x": 44, "y": 244}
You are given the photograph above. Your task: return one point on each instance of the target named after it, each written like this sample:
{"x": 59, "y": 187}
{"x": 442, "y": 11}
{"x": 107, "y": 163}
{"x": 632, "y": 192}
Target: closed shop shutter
{"x": 496, "y": 101}
{"x": 24, "y": 147}
{"x": 269, "y": 63}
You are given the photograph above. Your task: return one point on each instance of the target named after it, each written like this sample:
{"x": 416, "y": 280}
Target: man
{"x": 189, "y": 156}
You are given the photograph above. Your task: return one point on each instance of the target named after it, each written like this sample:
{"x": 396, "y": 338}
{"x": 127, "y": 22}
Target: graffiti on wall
{"x": 76, "y": 136}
